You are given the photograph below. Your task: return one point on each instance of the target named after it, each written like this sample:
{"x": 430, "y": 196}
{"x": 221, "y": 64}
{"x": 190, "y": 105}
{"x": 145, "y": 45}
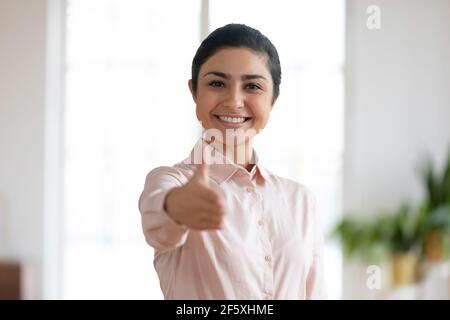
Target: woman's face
{"x": 234, "y": 93}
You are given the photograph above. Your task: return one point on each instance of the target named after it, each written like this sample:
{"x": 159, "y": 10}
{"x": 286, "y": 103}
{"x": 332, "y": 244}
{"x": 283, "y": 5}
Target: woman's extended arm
{"x": 160, "y": 230}
{"x": 169, "y": 207}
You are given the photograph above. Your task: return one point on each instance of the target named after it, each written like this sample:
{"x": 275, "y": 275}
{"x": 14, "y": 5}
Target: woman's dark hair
{"x": 238, "y": 36}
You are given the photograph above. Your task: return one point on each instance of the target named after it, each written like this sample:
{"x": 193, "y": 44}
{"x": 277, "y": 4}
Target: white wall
{"x": 22, "y": 95}
{"x": 397, "y": 104}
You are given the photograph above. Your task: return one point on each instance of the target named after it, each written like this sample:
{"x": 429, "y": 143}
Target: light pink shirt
{"x": 270, "y": 247}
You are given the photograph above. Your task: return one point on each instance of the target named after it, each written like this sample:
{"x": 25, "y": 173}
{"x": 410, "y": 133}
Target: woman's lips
{"x": 233, "y": 122}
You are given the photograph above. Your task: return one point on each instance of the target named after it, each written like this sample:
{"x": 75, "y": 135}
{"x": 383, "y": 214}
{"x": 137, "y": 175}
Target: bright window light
{"x": 128, "y": 109}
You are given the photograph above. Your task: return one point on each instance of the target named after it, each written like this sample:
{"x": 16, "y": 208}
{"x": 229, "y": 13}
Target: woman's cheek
{"x": 261, "y": 121}
{"x": 208, "y": 103}
{"x": 205, "y": 104}
{"x": 202, "y": 115}
{"x": 260, "y": 124}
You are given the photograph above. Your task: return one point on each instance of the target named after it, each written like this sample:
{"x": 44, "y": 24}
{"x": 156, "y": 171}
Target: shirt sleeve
{"x": 160, "y": 230}
{"x": 315, "y": 283}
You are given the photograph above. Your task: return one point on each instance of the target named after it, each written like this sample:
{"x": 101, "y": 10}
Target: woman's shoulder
{"x": 288, "y": 184}
{"x": 179, "y": 171}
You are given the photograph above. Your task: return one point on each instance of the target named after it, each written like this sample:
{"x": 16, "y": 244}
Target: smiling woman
{"x": 220, "y": 227}
{"x": 240, "y": 98}
{"x": 236, "y": 76}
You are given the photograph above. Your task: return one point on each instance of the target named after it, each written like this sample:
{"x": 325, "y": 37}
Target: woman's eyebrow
{"x": 227, "y": 76}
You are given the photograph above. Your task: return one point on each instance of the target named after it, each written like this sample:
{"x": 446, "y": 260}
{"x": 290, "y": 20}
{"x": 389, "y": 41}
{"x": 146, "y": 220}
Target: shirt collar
{"x": 222, "y": 168}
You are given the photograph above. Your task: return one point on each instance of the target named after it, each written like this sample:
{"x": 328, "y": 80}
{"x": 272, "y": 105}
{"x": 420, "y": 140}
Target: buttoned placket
{"x": 266, "y": 253}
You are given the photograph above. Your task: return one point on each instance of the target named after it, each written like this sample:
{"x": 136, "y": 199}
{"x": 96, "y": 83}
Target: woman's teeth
{"x": 232, "y": 119}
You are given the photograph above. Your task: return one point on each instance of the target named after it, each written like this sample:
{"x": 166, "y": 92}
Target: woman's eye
{"x": 216, "y": 84}
{"x": 252, "y": 86}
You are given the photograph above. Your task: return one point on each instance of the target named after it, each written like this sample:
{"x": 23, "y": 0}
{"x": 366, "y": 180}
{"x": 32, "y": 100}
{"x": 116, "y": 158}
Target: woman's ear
{"x": 191, "y": 88}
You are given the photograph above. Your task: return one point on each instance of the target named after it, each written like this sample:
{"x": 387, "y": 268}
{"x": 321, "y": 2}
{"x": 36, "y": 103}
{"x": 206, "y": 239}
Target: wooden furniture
{"x": 10, "y": 280}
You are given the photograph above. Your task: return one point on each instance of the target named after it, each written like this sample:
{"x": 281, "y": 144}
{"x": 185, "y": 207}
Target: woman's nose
{"x": 234, "y": 99}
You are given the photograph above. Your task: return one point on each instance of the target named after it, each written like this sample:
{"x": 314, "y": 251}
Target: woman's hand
{"x": 196, "y": 204}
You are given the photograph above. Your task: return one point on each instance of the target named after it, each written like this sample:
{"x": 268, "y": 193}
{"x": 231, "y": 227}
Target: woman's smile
{"x": 232, "y": 121}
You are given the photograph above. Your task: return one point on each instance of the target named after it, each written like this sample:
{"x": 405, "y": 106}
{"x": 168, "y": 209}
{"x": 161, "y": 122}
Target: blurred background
{"x": 92, "y": 93}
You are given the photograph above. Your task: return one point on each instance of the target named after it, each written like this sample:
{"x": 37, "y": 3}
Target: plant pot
{"x": 404, "y": 268}
{"x": 434, "y": 246}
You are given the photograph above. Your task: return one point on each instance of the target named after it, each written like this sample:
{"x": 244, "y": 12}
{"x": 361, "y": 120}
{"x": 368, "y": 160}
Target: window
{"x": 127, "y": 66}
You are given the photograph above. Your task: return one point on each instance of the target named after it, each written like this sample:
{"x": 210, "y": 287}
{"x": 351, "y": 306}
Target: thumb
{"x": 202, "y": 171}
{"x": 203, "y": 168}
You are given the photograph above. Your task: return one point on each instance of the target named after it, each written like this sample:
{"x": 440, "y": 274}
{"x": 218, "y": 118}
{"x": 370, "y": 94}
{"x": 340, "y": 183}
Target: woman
{"x": 223, "y": 226}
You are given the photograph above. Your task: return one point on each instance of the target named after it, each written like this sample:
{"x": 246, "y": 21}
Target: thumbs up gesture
{"x": 196, "y": 204}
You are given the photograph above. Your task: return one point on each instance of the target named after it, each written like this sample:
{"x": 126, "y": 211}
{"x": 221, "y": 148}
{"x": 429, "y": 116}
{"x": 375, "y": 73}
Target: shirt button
{"x": 268, "y": 258}
{"x": 249, "y": 189}
{"x": 261, "y": 223}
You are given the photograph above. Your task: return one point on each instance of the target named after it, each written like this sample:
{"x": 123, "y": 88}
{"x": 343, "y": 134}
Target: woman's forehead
{"x": 236, "y": 62}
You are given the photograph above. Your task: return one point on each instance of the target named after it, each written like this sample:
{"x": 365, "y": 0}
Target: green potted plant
{"x": 437, "y": 211}
{"x": 404, "y": 240}
{"x": 360, "y": 239}
{"x": 396, "y": 236}
{"x": 406, "y": 235}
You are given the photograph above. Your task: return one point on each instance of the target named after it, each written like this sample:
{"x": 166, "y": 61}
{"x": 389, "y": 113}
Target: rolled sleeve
{"x": 160, "y": 230}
